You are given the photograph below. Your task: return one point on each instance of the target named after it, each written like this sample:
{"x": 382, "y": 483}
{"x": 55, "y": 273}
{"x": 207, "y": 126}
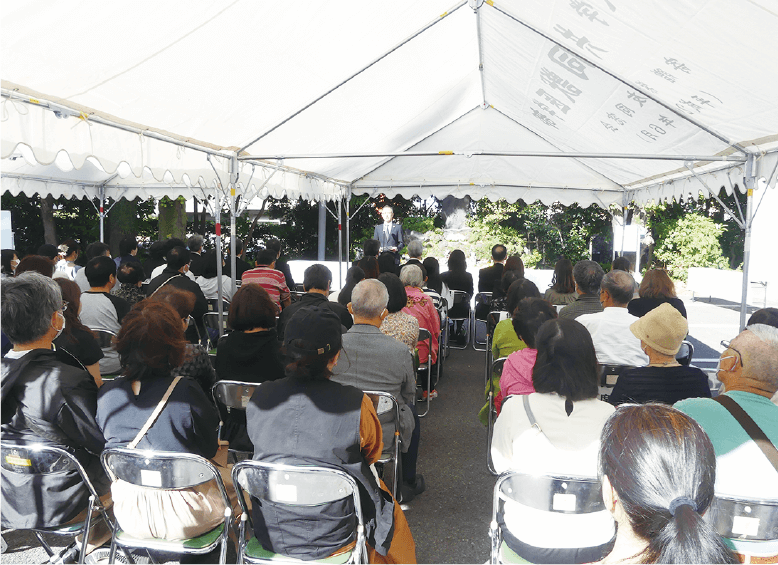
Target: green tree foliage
{"x": 689, "y": 241}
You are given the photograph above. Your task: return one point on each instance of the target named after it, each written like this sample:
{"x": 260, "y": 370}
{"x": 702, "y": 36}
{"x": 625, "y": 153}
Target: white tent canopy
{"x": 588, "y": 101}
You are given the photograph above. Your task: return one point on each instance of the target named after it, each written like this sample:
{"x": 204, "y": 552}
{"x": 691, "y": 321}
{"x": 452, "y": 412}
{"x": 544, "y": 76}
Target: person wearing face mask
{"x": 44, "y": 401}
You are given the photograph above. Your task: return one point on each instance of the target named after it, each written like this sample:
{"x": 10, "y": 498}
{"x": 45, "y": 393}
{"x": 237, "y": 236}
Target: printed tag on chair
{"x": 563, "y": 502}
{"x": 745, "y": 526}
{"x": 150, "y": 478}
{"x": 285, "y": 493}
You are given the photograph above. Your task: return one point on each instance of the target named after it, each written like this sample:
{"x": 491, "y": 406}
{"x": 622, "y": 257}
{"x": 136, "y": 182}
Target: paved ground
{"x": 451, "y": 519}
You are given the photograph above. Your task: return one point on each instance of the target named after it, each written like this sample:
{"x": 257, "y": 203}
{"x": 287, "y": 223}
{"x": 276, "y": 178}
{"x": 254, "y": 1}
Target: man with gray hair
{"x": 371, "y": 360}
{"x": 415, "y": 251}
{"x": 614, "y": 343}
{"x": 44, "y": 401}
{"x": 195, "y": 245}
{"x": 587, "y": 275}
{"x": 735, "y": 420}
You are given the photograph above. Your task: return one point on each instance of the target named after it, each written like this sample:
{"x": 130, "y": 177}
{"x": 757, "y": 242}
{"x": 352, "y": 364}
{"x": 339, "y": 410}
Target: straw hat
{"x": 663, "y": 328}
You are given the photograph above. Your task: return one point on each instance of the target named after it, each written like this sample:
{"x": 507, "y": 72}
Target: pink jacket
{"x": 516, "y": 375}
{"x": 420, "y": 307}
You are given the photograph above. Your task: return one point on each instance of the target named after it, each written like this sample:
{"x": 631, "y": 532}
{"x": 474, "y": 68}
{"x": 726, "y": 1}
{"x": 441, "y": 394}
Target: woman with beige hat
{"x": 661, "y": 333}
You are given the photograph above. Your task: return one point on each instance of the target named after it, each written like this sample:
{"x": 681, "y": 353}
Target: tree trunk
{"x": 121, "y": 222}
{"x": 47, "y": 216}
{"x": 172, "y": 218}
{"x": 253, "y": 225}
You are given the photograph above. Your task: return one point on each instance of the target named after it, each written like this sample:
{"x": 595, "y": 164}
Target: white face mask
{"x": 60, "y": 330}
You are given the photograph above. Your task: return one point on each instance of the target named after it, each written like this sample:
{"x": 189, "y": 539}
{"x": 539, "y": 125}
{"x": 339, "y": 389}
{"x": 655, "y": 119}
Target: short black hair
{"x": 767, "y": 316}
{"x": 127, "y": 245}
{"x": 48, "y": 250}
{"x": 96, "y": 249}
{"x": 317, "y": 276}
{"x": 275, "y": 244}
{"x": 398, "y": 296}
{"x": 566, "y": 362}
{"x": 588, "y": 276}
{"x": 238, "y": 246}
{"x": 130, "y": 272}
{"x": 210, "y": 267}
{"x": 99, "y": 270}
{"x": 371, "y": 247}
{"x": 621, "y": 264}
{"x": 177, "y": 257}
{"x": 530, "y": 315}
{"x": 519, "y": 289}
{"x": 266, "y": 256}
{"x": 386, "y": 263}
{"x": 499, "y": 252}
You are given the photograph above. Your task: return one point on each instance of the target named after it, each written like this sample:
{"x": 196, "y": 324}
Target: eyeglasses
{"x": 64, "y": 306}
{"x": 726, "y": 344}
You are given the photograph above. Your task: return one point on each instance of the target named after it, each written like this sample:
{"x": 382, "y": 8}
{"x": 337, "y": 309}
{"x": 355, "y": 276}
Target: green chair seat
{"x": 510, "y": 556}
{"x": 255, "y": 550}
{"x": 207, "y": 540}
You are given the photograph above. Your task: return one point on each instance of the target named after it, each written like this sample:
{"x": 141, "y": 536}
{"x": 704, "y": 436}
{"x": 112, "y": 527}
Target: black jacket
{"x": 184, "y": 283}
{"x": 313, "y": 299}
{"x": 47, "y": 401}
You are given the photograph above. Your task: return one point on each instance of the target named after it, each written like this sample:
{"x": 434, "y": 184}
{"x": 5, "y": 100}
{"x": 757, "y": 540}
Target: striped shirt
{"x": 274, "y": 282}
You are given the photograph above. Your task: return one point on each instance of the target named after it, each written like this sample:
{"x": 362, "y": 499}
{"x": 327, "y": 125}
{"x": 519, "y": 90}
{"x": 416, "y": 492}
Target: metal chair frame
{"x": 211, "y": 320}
{"x": 460, "y": 297}
{"x": 19, "y": 455}
{"x": 492, "y": 320}
{"x": 166, "y": 470}
{"x": 326, "y": 480}
{"x": 497, "y": 366}
{"x": 480, "y": 298}
{"x": 552, "y": 493}
{"x": 394, "y": 459}
{"x": 424, "y": 334}
{"x": 744, "y": 518}
{"x": 609, "y": 374}
{"x": 233, "y": 395}
{"x": 685, "y": 353}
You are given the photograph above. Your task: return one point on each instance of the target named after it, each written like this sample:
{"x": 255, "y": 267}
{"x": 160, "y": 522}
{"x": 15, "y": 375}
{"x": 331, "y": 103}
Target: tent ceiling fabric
{"x": 658, "y": 77}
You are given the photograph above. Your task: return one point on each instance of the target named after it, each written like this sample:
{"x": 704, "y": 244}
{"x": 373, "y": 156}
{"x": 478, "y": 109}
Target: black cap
{"x": 315, "y": 330}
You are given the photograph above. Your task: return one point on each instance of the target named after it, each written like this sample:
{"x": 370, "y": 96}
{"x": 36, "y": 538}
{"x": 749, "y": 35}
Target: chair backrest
{"x": 494, "y": 318}
{"x": 213, "y": 305}
{"x": 211, "y": 321}
{"x": 39, "y": 459}
{"x": 424, "y": 334}
{"x": 550, "y": 493}
{"x": 498, "y": 364}
{"x": 609, "y": 374}
{"x": 159, "y": 469}
{"x": 685, "y": 353}
{"x": 483, "y": 298}
{"x": 744, "y": 519}
{"x": 104, "y": 338}
{"x": 233, "y": 395}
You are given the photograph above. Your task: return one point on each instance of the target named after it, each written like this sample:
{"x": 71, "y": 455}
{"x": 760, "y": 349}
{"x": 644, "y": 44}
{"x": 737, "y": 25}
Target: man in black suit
{"x": 389, "y": 234}
{"x": 490, "y": 276}
{"x": 241, "y": 266}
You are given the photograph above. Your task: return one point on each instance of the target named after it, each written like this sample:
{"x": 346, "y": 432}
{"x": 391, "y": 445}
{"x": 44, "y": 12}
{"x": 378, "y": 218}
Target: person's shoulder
{"x": 698, "y": 406}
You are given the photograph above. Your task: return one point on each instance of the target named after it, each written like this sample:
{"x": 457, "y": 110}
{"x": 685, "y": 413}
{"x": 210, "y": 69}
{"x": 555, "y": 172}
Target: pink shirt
{"x": 516, "y": 375}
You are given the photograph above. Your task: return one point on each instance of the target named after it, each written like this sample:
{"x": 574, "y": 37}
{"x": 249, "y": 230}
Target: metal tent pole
{"x": 218, "y": 220}
{"x": 340, "y": 242}
{"x": 233, "y": 180}
{"x": 322, "y": 229}
{"x": 102, "y": 214}
{"x": 348, "y": 225}
{"x": 750, "y": 182}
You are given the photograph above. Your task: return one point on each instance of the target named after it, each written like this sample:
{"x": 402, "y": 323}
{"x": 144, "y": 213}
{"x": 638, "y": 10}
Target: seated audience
{"x": 44, "y": 401}
{"x": 128, "y": 251}
{"x": 661, "y": 333}
{"x": 489, "y": 278}
{"x": 370, "y": 248}
{"x": 241, "y": 266}
{"x": 766, "y": 316}
{"x": 562, "y": 290}
{"x": 197, "y": 365}
{"x": 68, "y": 255}
{"x": 614, "y": 344}
{"x": 49, "y": 251}
{"x": 505, "y": 341}
{"x": 208, "y": 279}
{"x": 570, "y": 418}
{"x": 415, "y": 251}
{"x": 335, "y": 425}
{"x": 96, "y": 249}
{"x": 101, "y": 311}
{"x": 131, "y": 276}
{"x": 36, "y": 263}
{"x": 499, "y": 301}
{"x": 588, "y": 276}
{"x": 420, "y": 307}
{"x": 281, "y": 265}
{"x": 656, "y": 288}
{"x": 76, "y": 340}
{"x": 317, "y": 280}
{"x": 171, "y": 244}
{"x": 195, "y": 246}
{"x": 517, "y": 373}
{"x": 621, "y": 264}
{"x": 157, "y": 251}
{"x": 353, "y": 276}
{"x": 151, "y": 344}
{"x": 657, "y": 468}
{"x": 434, "y": 282}
{"x": 397, "y": 324}
{"x": 386, "y": 263}
{"x": 457, "y": 278}
{"x": 514, "y": 263}
{"x": 748, "y": 369}
{"x": 374, "y": 361}
{"x": 9, "y": 263}
{"x": 272, "y": 280}
{"x": 369, "y": 266}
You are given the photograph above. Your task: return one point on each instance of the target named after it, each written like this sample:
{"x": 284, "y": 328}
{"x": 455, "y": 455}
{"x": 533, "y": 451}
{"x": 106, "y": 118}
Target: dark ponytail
{"x": 657, "y": 459}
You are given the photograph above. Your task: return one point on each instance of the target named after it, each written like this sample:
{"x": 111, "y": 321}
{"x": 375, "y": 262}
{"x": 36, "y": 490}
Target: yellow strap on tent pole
{"x": 35, "y": 101}
{"x": 445, "y": 152}
{"x": 490, "y": 2}
{"x": 444, "y": 14}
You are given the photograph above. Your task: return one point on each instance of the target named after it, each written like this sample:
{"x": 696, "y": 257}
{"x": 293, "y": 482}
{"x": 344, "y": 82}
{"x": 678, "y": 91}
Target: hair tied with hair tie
{"x": 681, "y": 501}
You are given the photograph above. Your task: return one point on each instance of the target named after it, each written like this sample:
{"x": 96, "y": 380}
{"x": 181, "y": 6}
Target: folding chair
{"x": 549, "y": 493}
{"x": 609, "y": 374}
{"x": 424, "y": 335}
{"x": 167, "y": 470}
{"x": 211, "y": 322}
{"x": 38, "y": 459}
{"x": 482, "y": 301}
{"x": 461, "y": 297}
{"x": 497, "y": 367}
{"x": 213, "y": 305}
{"x": 104, "y": 339}
{"x": 293, "y": 486}
{"x": 232, "y": 396}
{"x": 744, "y": 519}
{"x": 388, "y": 410}
{"x": 442, "y": 309}
{"x": 685, "y": 353}
{"x": 492, "y": 320}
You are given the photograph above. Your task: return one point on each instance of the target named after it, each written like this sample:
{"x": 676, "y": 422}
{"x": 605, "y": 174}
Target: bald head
{"x": 620, "y": 286}
{"x": 759, "y": 347}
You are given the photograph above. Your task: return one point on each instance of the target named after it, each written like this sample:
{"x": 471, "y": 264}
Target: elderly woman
{"x": 658, "y": 469}
{"x": 151, "y": 345}
{"x": 664, "y": 380}
{"x": 397, "y": 324}
{"x": 562, "y": 290}
{"x": 656, "y": 288}
{"x": 556, "y": 431}
{"x": 335, "y": 425}
{"x": 420, "y": 306}
{"x": 77, "y": 340}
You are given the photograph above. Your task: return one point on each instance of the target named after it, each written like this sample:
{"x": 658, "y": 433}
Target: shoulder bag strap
{"x": 532, "y": 421}
{"x": 154, "y": 415}
{"x": 164, "y": 283}
{"x": 751, "y": 428}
